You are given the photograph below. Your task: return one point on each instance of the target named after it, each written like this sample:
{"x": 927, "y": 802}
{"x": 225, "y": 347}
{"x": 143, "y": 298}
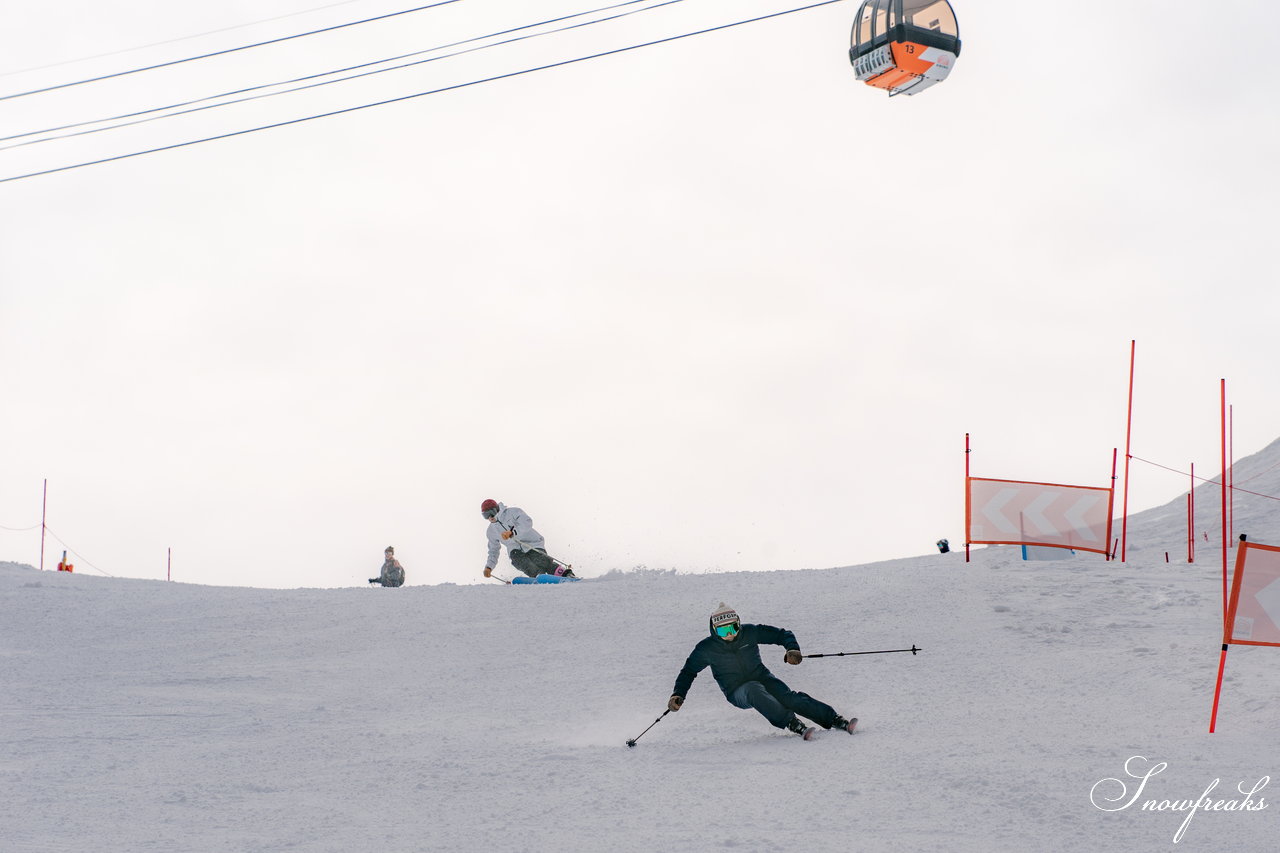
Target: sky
{"x": 711, "y": 305}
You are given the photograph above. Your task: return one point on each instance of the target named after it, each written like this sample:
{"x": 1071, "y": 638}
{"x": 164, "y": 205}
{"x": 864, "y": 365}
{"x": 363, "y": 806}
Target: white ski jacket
{"x": 515, "y": 519}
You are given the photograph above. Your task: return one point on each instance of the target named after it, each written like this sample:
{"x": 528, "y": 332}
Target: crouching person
{"x": 392, "y": 572}
{"x": 733, "y": 653}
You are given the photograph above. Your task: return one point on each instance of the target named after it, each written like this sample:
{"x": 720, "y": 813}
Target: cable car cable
{"x": 192, "y": 102}
{"x": 397, "y": 100}
{"x": 223, "y": 52}
{"x": 174, "y": 40}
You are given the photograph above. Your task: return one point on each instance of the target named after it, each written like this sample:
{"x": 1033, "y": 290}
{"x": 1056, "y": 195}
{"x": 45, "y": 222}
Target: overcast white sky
{"x": 708, "y": 305}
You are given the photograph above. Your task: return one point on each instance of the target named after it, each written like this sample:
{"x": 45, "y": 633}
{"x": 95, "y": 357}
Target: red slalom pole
{"x": 1217, "y": 691}
{"x": 1190, "y": 556}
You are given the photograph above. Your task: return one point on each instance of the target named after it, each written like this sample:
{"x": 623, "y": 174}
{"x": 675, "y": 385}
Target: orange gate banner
{"x": 1253, "y": 614}
{"x": 1016, "y": 512}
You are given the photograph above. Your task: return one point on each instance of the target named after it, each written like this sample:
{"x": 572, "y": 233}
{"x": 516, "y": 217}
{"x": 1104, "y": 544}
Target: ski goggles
{"x": 727, "y": 631}
{"x": 489, "y": 513}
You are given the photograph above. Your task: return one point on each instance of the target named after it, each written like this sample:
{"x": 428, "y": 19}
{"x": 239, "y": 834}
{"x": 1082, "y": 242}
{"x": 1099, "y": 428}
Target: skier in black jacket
{"x": 733, "y": 653}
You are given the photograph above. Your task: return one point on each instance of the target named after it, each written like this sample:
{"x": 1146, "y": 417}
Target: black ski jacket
{"x": 734, "y": 663}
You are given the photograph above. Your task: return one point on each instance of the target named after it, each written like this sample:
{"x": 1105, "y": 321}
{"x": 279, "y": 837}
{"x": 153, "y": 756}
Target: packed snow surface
{"x": 143, "y": 715}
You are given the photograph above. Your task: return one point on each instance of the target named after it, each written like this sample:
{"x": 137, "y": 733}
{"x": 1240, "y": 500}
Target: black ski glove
{"x": 674, "y": 703}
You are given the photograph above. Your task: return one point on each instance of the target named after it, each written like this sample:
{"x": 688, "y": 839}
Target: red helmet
{"x": 489, "y": 508}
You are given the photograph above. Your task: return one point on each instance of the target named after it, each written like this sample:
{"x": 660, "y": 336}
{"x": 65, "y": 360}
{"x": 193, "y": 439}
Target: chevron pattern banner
{"x": 1017, "y": 512}
{"x": 1253, "y": 616}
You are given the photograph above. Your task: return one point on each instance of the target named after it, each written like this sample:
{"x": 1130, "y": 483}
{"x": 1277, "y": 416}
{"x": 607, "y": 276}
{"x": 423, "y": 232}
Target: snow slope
{"x": 143, "y": 715}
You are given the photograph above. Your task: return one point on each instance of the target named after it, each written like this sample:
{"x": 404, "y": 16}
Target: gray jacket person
{"x": 512, "y": 527}
{"x": 392, "y": 572}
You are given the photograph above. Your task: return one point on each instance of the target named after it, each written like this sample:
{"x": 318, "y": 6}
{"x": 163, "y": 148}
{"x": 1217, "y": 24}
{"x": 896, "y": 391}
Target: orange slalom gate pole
{"x": 1227, "y": 632}
{"x": 1217, "y": 691}
{"x": 1190, "y": 556}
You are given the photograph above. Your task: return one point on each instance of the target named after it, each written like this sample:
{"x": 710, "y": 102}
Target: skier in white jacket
{"x": 512, "y": 527}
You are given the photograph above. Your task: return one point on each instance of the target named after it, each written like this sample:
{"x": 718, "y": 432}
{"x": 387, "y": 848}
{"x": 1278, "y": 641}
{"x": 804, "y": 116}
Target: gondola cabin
{"x": 904, "y": 46}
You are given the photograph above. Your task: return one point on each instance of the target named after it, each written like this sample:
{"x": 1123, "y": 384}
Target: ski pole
{"x": 500, "y": 578}
{"x": 512, "y": 531}
{"x": 913, "y": 650}
{"x": 557, "y": 562}
{"x": 632, "y": 742}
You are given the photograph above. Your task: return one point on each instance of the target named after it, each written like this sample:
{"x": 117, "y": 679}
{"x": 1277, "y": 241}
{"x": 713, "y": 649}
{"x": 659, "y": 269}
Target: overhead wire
{"x": 176, "y": 39}
{"x": 1205, "y": 480}
{"x": 1260, "y": 473}
{"x": 225, "y": 51}
{"x": 191, "y": 103}
{"x": 450, "y": 88}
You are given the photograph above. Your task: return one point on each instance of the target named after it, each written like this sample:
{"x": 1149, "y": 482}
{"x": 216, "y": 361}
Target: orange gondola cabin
{"x": 904, "y": 46}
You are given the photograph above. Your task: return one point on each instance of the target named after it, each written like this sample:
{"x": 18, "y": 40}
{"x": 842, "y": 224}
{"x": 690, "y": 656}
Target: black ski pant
{"x": 533, "y": 563}
{"x": 779, "y": 703}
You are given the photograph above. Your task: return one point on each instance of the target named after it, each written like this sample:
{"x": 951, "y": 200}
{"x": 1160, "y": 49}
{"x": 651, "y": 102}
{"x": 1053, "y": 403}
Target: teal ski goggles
{"x": 728, "y": 631}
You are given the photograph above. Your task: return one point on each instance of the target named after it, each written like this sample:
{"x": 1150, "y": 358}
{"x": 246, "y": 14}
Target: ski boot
{"x": 797, "y": 726}
{"x": 848, "y": 725}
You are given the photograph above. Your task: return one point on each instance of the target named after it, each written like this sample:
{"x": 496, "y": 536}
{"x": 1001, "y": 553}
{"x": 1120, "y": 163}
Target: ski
{"x": 545, "y": 579}
{"x": 811, "y": 732}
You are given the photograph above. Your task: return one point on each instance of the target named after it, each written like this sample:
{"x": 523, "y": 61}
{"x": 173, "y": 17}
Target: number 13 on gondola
{"x": 904, "y": 46}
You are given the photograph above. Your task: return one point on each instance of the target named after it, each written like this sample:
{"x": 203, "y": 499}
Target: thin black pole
{"x": 913, "y": 650}
{"x": 632, "y": 742}
{"x": 44, "y": 517}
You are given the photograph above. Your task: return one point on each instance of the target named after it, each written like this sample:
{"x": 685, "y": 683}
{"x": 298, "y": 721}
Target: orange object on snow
{"x": 65, "y": 567}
